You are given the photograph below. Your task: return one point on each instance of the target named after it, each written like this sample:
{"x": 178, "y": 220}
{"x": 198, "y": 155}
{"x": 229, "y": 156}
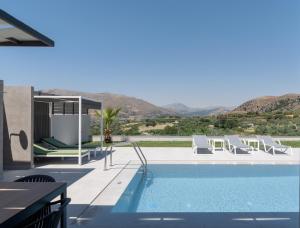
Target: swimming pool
{"x": 212, "y": 188}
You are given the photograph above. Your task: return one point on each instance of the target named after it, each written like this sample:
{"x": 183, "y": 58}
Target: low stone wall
{"x": 175, "y": 138}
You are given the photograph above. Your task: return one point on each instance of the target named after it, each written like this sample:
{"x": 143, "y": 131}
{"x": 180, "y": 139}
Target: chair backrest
{"x": 267, "y": 139}
{"x": 56, "y": 143}
{"x": 201, "y": 140}
{"x": 234, "y": 140}
{"x": 36, "y": 178}
{"x": 50, "y": 220}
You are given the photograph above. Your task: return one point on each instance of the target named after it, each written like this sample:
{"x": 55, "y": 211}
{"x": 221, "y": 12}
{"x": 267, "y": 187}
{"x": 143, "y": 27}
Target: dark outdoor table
{"x": 19, "y": 200}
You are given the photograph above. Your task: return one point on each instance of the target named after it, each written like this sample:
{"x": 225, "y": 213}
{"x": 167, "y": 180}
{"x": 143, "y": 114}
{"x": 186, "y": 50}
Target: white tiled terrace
{"x": 94, "y": 191}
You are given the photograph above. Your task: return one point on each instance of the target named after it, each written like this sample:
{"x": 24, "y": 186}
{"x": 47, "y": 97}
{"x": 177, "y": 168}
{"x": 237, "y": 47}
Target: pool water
{"x": 212, "y": 188}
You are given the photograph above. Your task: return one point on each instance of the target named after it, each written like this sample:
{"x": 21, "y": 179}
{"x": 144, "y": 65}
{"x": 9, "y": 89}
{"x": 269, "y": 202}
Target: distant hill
{"x": 179, "y": 108}
{"x": 182, "y": 109}
{"x": 137, "y": 108}
{"x": 130, "y": 106}
{"x": 288, "y": 102}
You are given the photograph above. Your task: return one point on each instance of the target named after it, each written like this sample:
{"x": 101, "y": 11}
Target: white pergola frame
{"x": 76, "y": 99}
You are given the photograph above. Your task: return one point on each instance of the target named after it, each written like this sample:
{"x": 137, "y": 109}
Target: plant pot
{"x": 107, "y": 136}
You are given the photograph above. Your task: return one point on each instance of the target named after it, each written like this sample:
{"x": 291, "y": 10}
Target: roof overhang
{"x": 15, "y": 33}
{"x": 86, "y": 102}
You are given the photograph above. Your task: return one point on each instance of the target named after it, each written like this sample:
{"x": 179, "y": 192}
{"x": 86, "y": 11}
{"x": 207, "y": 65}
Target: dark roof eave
{"x": 41, "y": 39}
{"x": 57, "y": 99}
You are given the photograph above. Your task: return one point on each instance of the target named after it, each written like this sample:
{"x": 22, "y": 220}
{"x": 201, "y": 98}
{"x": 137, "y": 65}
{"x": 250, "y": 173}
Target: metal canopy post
{"x": 79, "y": 130}
{"x": 101, "y": 127}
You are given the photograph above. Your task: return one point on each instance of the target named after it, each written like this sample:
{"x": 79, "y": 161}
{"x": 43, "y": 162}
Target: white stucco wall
{"x": 65, "y": 128}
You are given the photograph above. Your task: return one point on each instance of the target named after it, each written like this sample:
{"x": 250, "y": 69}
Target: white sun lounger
{"x": 268, "y": 141}
{"x": 201, "y": 143}
{"x": 235, "y": 143}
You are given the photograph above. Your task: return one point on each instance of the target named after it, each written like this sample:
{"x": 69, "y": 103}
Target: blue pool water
{"x": 213, "y": 188}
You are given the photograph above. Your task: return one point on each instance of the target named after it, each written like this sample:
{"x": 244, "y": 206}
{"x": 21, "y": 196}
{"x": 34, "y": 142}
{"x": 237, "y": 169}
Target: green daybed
{"x": 41, "y": 151}
{"x": 57, "y": 144}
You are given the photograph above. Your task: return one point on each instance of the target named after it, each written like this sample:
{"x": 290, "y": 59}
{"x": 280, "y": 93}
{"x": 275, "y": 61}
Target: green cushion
{"x": 40, "y": 150}
{"x": 56, "y": 143}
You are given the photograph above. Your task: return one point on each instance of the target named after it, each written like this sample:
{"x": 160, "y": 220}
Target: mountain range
{"x": 132, "y": 107}
{"x": 184, "y": 110}
{"x": 287, "y": 102}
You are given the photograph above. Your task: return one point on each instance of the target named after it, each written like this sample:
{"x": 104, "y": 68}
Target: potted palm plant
{"x": 109, "y": 116}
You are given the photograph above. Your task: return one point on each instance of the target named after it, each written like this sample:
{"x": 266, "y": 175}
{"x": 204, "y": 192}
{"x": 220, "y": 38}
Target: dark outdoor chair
{"x": 47, "y": 220}
{"x": 44, "y": 217}
{"x": 36, "y": 178}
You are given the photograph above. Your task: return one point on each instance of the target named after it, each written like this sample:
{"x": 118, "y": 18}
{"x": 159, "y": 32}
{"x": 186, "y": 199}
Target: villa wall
{"x": 18, "y": 127}
{"x": 65, "y": 128}
{"x": 41, "y": 121}
{"x": 1, "y": 128}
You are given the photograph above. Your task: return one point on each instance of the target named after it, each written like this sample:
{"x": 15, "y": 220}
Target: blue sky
{"x": 201, "y": 53}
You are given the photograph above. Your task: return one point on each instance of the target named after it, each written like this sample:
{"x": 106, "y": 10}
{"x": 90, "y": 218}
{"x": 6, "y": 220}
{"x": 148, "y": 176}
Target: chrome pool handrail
{"x": 136, "y": 148}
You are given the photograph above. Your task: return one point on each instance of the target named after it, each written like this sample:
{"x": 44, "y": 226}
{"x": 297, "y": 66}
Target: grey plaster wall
{"x": 18, "y": 127}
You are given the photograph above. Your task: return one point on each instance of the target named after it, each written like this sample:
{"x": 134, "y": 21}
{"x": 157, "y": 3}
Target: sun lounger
{"x": 235, "y": 143}
{"x": 268, "y": 141}
{"x": 41, "y": 151}
{"x": 201, "y": 144}
{"x": 56, "y": 144}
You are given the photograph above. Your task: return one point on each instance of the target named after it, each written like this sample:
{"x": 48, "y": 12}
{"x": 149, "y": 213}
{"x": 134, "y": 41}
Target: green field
{"x": 177, "y": 144}
{"x": 295, "y": 144}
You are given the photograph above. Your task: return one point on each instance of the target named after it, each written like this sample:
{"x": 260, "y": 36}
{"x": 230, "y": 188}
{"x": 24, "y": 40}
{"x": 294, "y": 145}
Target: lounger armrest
{"x": 193, "y": 143}
{"x": 227, "y": 142}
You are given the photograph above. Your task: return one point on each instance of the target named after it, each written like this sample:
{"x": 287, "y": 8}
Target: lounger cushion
{"x": 201, "y": 141}
{"x": 40, "y": 150}
{"x": 268, "y": 140}
{"x": 56, "y": 143}
{"x": 236, "y": 141}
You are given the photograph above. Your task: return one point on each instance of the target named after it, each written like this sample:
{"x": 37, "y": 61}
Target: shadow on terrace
{"x": 95, "y": 216}
{"x": 68, "y": 175}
